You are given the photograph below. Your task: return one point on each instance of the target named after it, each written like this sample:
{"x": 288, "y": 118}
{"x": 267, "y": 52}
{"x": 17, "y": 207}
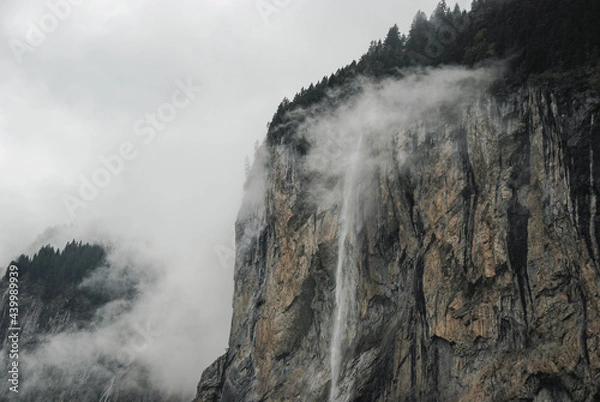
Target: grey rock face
{"x": 477, "y": 263}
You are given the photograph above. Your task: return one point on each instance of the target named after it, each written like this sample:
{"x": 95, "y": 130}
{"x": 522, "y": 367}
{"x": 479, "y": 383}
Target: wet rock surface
{"x": 477, "y": 270}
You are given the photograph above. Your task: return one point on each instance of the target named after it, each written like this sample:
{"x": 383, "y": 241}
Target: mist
{"x": 383, "y": 116}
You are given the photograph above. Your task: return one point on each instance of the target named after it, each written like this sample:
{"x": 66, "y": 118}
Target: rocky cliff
{"x": 460, "y": 262}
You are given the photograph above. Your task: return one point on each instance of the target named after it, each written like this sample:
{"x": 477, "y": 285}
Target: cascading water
{"x": 344, "y": 278}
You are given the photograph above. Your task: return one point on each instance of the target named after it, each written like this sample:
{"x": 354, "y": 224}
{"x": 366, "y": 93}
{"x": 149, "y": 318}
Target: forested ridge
{"x": 53, "y": 271}
{"x": 539, "y": 39}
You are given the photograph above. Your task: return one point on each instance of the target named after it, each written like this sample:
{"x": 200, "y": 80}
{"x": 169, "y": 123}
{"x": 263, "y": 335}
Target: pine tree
{"x": 392, "y": 40}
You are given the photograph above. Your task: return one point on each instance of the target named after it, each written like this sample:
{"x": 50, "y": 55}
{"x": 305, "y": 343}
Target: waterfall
{"x": 344, "y": 279}
{"x": 593, "y": 200}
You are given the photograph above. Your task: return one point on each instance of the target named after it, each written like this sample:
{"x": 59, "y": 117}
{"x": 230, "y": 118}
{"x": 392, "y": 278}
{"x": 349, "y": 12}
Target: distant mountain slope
{"x": 63, "y": 306}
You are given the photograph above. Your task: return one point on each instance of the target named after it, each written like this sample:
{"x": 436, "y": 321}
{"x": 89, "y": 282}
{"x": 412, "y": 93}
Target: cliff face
{"x": 460, "y": 264}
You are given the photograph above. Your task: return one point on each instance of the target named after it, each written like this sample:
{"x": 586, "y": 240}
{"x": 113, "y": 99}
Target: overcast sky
{"x": 180, "y": 91}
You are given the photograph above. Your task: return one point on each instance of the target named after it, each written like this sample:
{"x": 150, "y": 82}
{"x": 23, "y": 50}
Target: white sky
{"x": 76, "y": 95}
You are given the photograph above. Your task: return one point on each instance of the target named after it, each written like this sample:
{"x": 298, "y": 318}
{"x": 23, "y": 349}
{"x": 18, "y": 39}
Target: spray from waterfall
{"x": 344, "y": 278}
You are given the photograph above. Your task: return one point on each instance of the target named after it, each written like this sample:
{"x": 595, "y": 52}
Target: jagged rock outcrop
{"x": 477, "y": 262}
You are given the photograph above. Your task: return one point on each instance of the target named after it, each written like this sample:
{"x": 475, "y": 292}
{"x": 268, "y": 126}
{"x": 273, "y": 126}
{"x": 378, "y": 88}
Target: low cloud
{"x": 381, "y": 113}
